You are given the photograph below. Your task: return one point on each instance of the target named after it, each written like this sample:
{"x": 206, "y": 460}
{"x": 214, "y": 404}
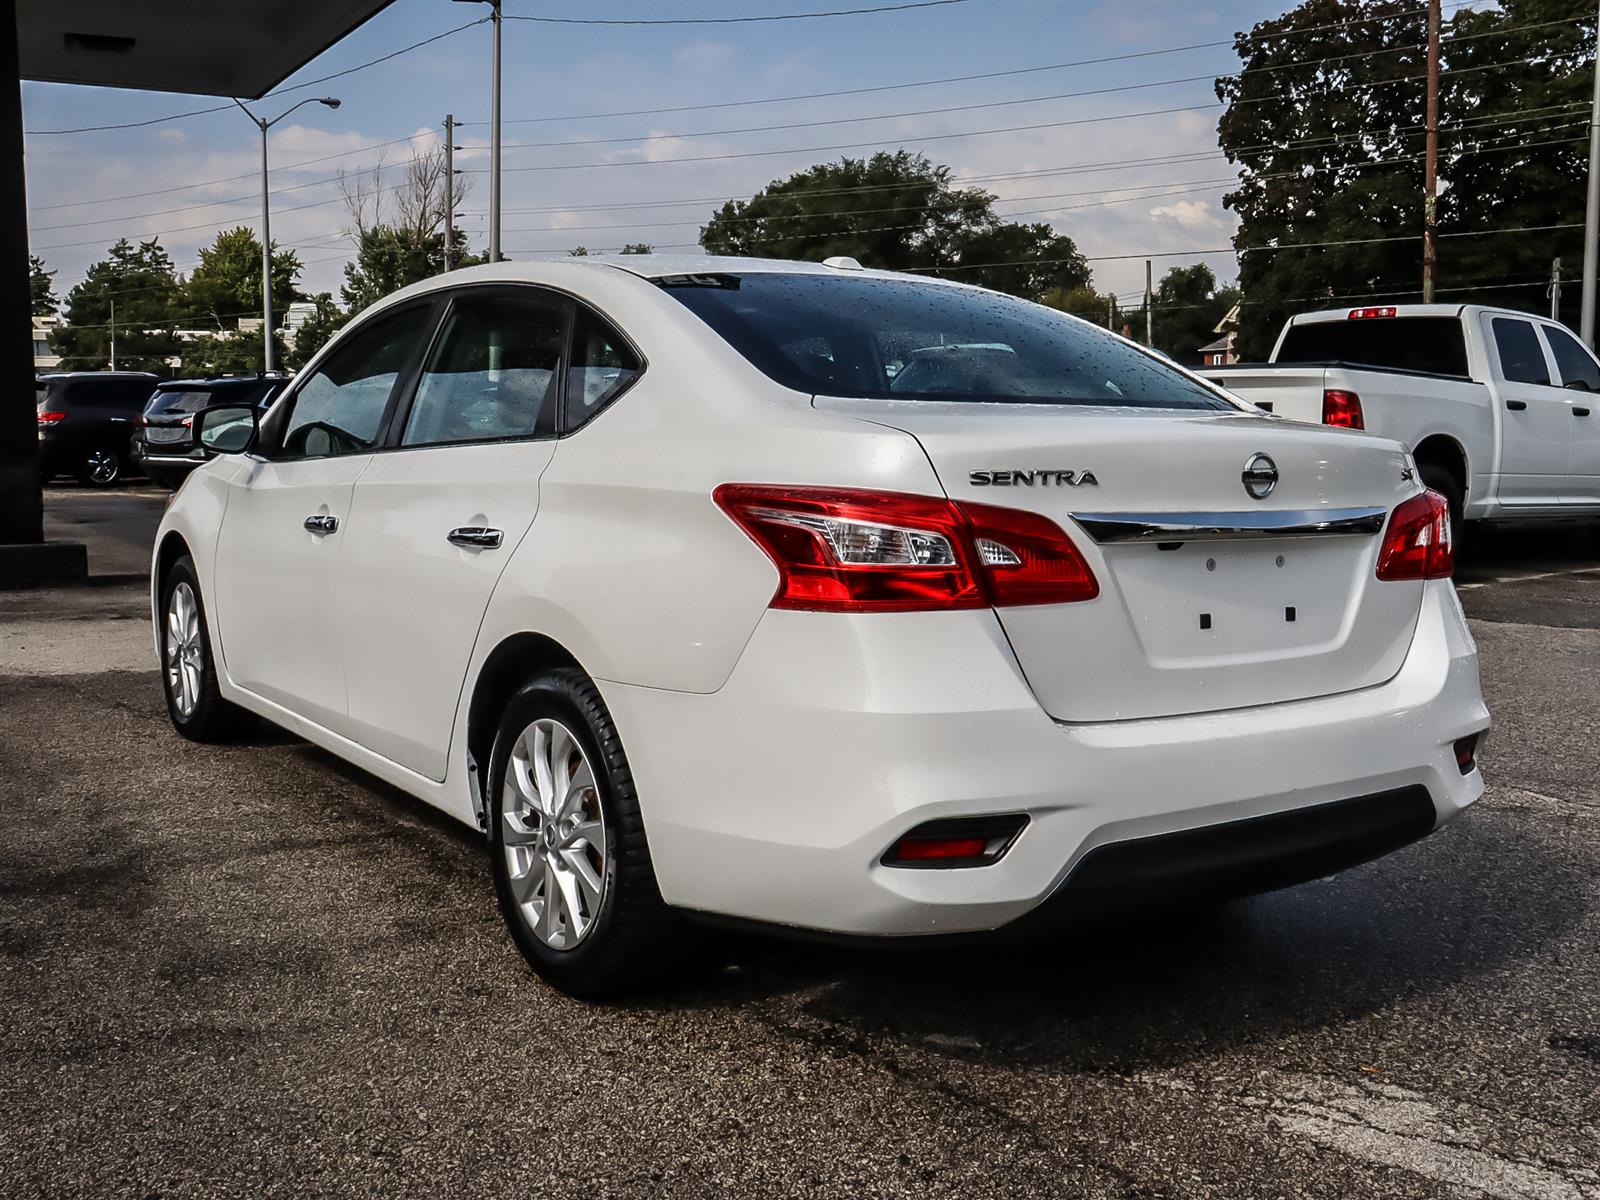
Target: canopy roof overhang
{"x": 208, "y": 47}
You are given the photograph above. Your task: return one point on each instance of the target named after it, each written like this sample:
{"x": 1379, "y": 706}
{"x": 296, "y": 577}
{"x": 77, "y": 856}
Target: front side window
{"x": 339, "y": 410}
{"x": 898, "y": 339}
{"x": 1577, "y": 366}
{"x": 494, "y": 373}
{"x": 1521, "y": 356}
{"x": 603, "y": 367}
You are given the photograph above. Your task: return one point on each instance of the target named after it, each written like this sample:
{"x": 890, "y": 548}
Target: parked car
{"x": 86, "y": 422}
{"x": 650, "y": 571}
{"x": 165, "y": 445}
{"x": 1497, "y": 407}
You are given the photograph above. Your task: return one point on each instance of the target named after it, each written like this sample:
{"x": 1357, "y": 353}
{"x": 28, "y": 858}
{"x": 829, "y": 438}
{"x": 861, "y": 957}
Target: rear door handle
{"x": 322, "y": 523}
{"x": 1516, "y": 405}
{"x": 475, "y": 537}
{"x": 1580, "y": 412}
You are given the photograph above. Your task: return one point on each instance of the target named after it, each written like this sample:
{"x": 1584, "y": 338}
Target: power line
{"x": 804, "y": 16}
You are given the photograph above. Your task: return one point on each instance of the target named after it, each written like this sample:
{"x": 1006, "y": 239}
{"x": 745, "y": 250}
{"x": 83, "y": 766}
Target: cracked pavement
{"x": 254, "y": 971}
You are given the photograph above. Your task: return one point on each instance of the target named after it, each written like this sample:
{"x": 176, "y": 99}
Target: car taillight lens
{"x": 1416, "y": 544}
{"x": 1342, "y": 409}
{"x": 854, "y": 550}
{"x": 52, "y": 418}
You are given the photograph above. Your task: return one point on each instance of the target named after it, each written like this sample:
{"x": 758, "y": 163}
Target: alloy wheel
{"x": 185, "y": 657}
{"x": 554, "y": 835}
{"x": 101, "y": 466}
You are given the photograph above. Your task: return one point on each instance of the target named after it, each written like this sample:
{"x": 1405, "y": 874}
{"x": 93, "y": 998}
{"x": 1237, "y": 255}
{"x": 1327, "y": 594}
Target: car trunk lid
{"x": 1212, "y": 597}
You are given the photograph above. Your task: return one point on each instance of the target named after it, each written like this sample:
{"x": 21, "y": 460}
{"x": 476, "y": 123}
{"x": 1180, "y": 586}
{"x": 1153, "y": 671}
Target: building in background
{"x": 1220, "y": 353}
{"x": 44, "y": 359}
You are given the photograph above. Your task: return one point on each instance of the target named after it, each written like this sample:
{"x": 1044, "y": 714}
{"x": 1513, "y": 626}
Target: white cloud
{"x": 704, "y": 56}
{"x": 1191, "y": 214}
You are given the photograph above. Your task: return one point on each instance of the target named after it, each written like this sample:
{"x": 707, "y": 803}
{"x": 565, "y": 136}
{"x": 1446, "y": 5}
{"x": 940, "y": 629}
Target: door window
{"x": 603, "y": 367}
{"x": 1577, "y": 366}
{"x": 1521, "y": 356}
{"x": 340, "y": 409}
{"x": 494, "y": 374}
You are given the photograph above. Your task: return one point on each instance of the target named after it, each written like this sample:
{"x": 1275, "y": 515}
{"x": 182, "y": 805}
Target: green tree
{"x": 1082, "y": 301}
{"x": 235, "y": 353}
{"x": 578, "y": 252}
{"x": 1325, "y": 122}
{"x": 326, "y": 319}
{"x": 1513, "y": 152}
{"x": 1188, "y": 307}
{"x": 140, "y": 281}
{"x": 42, "y": 284}
{"x": 897, "y": 211}
{"x": 227, "y": 283}
{"x": 638, "y": 248}
{"x": 388, "y": 259}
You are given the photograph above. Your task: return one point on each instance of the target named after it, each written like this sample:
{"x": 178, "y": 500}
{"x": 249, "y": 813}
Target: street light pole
{"x": 1591, "y": 220}
{"x": 1430, "y": 170}
{"x": 494, "y": 142}
{"x": 263, "y": 124}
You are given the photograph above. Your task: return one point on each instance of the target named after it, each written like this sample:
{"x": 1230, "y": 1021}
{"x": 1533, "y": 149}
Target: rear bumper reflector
{"x": 961, "y": 842}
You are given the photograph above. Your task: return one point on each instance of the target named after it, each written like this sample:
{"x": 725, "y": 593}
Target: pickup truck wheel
{"x": 1442, "y": 480}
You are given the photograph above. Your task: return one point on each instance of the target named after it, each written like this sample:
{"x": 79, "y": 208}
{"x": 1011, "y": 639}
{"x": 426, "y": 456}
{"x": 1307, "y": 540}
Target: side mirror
{"x": 226, "y": 429}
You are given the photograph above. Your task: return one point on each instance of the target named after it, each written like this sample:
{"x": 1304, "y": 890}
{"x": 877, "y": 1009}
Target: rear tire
{"x": 1442, "y": 480}
{"x": 572, "y": 868}
{"x": 188, "y": 668}
{"x": 101, "y": 467}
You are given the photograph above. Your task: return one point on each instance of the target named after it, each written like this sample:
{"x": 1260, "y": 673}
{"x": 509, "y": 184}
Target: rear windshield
{"x": 1436, "y": 345}
{"x": 894, "y": 339}
{"x": 193, "y": 399}
{"x": 175, "y": 400}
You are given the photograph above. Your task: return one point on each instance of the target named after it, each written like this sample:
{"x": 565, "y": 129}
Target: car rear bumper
{"x": 775, "y": 798}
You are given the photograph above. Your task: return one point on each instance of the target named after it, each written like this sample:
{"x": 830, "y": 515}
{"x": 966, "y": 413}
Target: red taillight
{"x": 187, "y": 422}
{"x": 1360, "y": 314}
{"x": 1416, "y": 544}
{"x": 1342, "y": 409}
{"x": 52, "y": 418}
{"x": 853, "y": 550}
{"x": 912, "y": 849}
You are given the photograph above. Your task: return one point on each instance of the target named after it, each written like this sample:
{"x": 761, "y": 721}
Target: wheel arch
{"x": 509, "y": 665}
{"x": 1442, "y": 449}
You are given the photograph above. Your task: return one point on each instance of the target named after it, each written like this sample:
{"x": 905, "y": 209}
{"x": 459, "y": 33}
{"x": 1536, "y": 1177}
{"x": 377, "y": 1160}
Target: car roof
{"x": 96, "y": 375}
{"x": 220, "y": 381}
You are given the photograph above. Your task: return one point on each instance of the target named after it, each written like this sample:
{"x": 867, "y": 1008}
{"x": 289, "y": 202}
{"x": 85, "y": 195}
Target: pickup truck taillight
{"x": 1416, "y": 544}
{"x": 52, "y": 418}
{"x": 855, "y": 550}
{"x": 1343, "y": 409}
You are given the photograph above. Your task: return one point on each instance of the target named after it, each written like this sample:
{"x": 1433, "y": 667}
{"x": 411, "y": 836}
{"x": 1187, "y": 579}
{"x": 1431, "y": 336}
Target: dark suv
{"x": 164, "y": 444}
{"x": 87, "y": 420}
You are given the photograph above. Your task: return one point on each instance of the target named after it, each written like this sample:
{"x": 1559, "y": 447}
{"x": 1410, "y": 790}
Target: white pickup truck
{"x": 1499, "y": 408}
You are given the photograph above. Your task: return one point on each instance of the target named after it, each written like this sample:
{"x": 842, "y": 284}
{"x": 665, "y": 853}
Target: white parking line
{"x": 1462, "y": 587}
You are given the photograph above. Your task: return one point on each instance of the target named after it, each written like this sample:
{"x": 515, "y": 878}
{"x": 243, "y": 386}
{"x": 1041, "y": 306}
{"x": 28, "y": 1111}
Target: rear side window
{"x": 1435, "y": 345}
{"x": 41, "y": 395}
{"x": 603, "y": 367}
{"x": 1577, "y": 366}
{"x": 493, "y": 374}
{"x": 178, "y": 400}
{"x": 1521, "y": 356}
{"x": 898, "y": 339}
{"x": 340, "y": 409}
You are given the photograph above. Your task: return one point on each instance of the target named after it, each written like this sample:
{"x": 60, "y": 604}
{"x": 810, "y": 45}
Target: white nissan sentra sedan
{"x": 829, "y": 598}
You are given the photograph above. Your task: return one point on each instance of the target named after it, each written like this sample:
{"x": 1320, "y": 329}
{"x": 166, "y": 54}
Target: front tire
{"x": 188, "y": 668}
{"x": 572, "y": 868}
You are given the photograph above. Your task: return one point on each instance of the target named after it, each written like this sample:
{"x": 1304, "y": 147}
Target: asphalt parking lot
{"x": 254, "y": 971}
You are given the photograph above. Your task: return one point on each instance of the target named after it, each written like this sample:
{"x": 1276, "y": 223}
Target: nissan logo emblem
{"x": 1260, "y": 476}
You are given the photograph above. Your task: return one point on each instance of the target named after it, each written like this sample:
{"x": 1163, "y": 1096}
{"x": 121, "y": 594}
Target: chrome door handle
{"x": 475, "y": 537}
{"x": 322, "y": 523}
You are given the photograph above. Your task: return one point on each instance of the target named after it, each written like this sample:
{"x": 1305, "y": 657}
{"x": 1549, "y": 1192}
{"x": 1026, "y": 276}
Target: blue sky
{"x": 602, "y": 195}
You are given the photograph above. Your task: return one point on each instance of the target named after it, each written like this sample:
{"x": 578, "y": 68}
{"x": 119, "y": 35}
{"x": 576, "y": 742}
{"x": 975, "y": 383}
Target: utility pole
{"x": 1591, "y": 222}
{"x": 494, "y": 143}
{"x": 113, "y": 335}
{"x": 449, "y": 190}
{"x": 1430, "y": 170}
{"x": 1555, "y": 289}
{"x": 1111, "y": 312}
{"x": 1149, "y": 308}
